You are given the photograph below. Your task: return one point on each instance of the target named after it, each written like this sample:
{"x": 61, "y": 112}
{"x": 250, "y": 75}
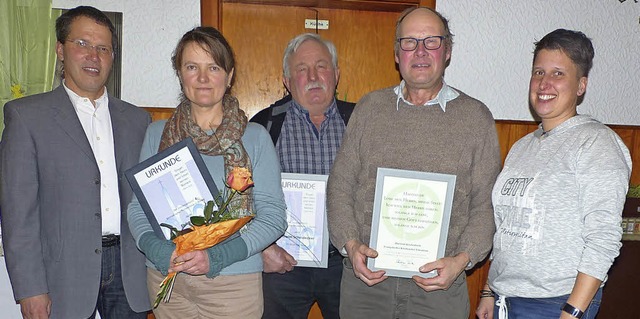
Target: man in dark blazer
{"x": 306, "y": 128}
{"x": 63, "y": 191}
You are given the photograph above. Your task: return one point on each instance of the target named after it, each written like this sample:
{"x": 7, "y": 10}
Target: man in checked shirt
{"x": 306, "y": 128}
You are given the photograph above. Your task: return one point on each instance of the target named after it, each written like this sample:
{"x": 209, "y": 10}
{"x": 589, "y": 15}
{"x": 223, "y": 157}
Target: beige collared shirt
{"x": 96, "y": 122}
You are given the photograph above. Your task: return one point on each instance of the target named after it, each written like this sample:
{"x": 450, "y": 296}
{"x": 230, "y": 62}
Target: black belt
{"x": 110, "y": 240}
{"x": 334, "y": 252}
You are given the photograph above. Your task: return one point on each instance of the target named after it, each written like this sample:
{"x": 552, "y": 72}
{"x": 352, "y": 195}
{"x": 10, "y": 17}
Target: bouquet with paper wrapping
{"x": 208, "y": 230}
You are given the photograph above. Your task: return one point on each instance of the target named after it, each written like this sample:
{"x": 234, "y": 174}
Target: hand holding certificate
{"x": 410, "y": 220}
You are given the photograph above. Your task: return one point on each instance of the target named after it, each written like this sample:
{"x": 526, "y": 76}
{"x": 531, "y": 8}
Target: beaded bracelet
{"x": 484, "y": 293}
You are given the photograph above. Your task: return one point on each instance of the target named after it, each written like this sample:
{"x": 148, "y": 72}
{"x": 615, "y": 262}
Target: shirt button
{"x": 98, "y": 216}
{"x": 98, "y": 251}
{"x": 97, "y": 181}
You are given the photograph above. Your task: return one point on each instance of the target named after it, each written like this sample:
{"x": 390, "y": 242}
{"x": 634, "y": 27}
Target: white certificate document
{"x": 307, "y": 237}
{"x": 410, "y": 220}
{"x": 172, "y": 186}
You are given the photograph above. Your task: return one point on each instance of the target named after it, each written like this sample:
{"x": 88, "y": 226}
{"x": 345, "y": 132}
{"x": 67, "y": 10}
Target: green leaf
{"x": 216, "y": 217}
{"x": 208, "y": 211}
{"x": 174, "y": 231}
{"x": 197, "y": 220}
{"x": 169, "y": 226}
{"x": 218, "y": 199}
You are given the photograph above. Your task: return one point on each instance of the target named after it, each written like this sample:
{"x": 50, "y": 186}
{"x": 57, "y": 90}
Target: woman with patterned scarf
{"x": 232, "y": 283}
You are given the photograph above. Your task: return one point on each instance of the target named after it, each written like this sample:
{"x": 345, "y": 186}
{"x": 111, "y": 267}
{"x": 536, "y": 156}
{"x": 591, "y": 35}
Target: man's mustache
{"x": 314, "y": 85}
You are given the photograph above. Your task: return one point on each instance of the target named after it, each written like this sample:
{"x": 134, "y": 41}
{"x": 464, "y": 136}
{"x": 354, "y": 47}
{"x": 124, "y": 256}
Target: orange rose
{"x": 239, "y": 179}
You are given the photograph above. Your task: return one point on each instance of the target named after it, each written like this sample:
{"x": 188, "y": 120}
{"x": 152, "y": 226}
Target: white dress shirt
{"x": 96, "y": 122}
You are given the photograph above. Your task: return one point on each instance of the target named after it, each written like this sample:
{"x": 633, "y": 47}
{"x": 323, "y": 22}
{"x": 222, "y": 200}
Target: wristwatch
{"x": 573, "y": 311}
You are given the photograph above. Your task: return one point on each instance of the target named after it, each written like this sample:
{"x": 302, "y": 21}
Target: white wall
{"x": 492, "y": 54}
{"x": 151, "y": 30}
{"x": 491, "y": 59}
{"x": 7, "y": 303}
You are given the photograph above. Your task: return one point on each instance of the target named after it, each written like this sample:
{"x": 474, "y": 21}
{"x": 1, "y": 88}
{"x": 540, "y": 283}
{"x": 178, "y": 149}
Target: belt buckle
{"x": 110, "y": 240}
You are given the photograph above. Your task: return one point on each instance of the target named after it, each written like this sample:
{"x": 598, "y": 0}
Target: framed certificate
{"x": 307, "y": 237}
{"x": 410, "y": 220}
{"x": 172, "y": 186}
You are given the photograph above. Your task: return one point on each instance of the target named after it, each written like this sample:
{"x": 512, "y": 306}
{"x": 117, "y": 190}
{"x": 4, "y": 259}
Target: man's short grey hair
{"x": 296, "y": 42}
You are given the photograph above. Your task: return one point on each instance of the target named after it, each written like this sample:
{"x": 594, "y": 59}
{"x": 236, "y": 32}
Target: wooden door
{"x": 260, "y": 33}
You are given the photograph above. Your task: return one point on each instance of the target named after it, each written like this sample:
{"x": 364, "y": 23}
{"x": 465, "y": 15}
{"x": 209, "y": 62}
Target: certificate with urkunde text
{"x": 307, "y": 236}
{"x": 410, "y": 220}
{"x": 172, "y": 186}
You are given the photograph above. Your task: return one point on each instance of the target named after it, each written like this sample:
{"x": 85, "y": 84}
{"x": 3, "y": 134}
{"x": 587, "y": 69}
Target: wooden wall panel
{"x": 211, "y": 13}
{"x": 511, "y": 131}
{"x": 428, "y": 3}
{"x": 631, "y": 137}
{"x": 260, "y": 33}
{"x": 476, "y": 278}
{"x": 160, "y": 113}
{"x": 620, "y": 294}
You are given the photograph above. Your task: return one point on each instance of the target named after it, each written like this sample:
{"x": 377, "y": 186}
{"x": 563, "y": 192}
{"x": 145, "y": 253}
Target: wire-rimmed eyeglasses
{"x": 430, "y": 43}
{"x": 87, "y": 47}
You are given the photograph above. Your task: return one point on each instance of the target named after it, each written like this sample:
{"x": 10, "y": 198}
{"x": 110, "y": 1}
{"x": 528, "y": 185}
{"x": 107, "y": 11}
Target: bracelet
{"x": 484, "y": 293}
{"x": 573, "y": 311}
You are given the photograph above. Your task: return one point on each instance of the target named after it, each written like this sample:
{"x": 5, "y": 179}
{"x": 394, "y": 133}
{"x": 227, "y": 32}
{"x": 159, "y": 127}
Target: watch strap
{"x": 573, "y": 311}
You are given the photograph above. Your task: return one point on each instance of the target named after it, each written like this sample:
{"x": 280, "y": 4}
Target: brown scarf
{"x": 225, "y": 141}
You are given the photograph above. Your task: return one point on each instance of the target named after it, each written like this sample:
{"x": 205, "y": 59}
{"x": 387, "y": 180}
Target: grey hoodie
{"x": 557, "y": 206}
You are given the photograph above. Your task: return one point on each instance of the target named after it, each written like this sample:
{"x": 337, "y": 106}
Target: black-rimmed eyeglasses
{"x": 430, "y": 43}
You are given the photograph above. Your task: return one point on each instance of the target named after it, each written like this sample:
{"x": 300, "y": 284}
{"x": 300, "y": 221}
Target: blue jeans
{"x": 112, "y": 301}
{"x": 291, "y": 295}
{"x": 538, "y": 308}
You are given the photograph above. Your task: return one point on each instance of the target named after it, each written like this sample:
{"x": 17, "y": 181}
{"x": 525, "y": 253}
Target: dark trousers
{"x": 292, "y": 294}
{"x": 112, "y": 301}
